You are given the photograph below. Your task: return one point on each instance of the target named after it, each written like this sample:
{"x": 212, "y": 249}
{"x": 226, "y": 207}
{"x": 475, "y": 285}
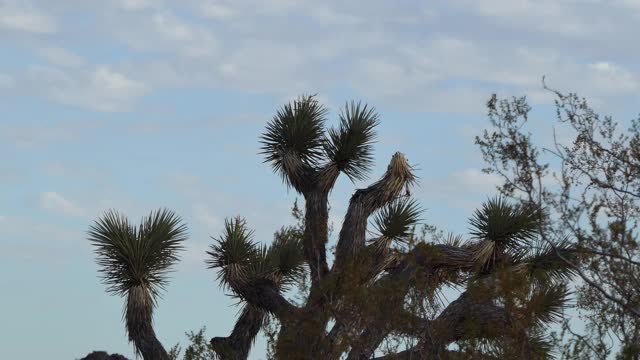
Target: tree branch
{"x": 238, "y": 344}
{"x": 365, "y": 201}
{"x": 468, "y": 318}
{"x": 316, "y": 233}
{"x": 424, "y": 258}
{"x": 464, "y": 318}
{"x": 265, "y": 294}
{"x": 139, "y": 322}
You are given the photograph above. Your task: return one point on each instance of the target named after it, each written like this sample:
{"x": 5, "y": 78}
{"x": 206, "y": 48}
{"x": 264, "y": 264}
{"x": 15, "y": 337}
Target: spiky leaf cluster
{"x": 536, "y": 345}
{"x": 233, "y": 252}
{"x": 547, "y": 304}
{"x": 240, "y": 260}
{"x": 349, "y": 147}
{"x": 296, "y": 145}
{"x": 546, "y": 264}
{"x": 296, "y": 133}
{"x": 396, "y": 220}
{"x": 143, "y": 256}
{"x": 503, "y": 228}
{"x": 530, "y": 280}
{"x": 286, "y": 256}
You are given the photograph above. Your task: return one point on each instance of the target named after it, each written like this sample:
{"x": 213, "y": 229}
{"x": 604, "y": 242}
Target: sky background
{"x": 141, "y": 104}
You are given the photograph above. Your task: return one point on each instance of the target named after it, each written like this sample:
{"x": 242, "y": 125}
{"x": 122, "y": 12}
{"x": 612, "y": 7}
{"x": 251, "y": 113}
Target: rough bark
{"x": 265, "y": 294}
{"x": 237, "y": 345}
{"x": 364, "y": 202}
{"x": 139, "y": 322}
{"x": 314, "y": 185}
{"x": 316, "y": 233}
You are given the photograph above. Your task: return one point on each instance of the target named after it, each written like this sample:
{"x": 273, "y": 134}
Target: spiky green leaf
{"x": 396, "y": 220}
{"x": 350, "y": 146}
{"x": 547, "y": 304}
{"x": 504, "y": 229}
{"x": 233, "y": 252}
{"x": 294, "y": 138}
{"x": 130, "y": 257}
{"x": 286, "y": 255}
{"x": 546, "y": 264}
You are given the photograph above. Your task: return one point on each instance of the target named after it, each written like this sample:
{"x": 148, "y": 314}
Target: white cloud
{"x": 22, "y": 16}
{"x": 629, "y": 5}
{"x": 461, "y": 189}
{"x": 10, "y": 175}
{"x": 54, "y": 202}
{"x": 163, "y": 31}
{"x": 612, "y": 79}
{"x": 183, "y": 181}
{"x": 214, "y": 10}
{"x": 134, "y": 4}
{"x": 515, "y": 9}
{"x": 206, "y": 216}
{"x": 195, "y": 254}
{"x": 60, "y": 56}
{"x": 169, "y": 26}
{"x": 475, "y": 180}
{"x": 101, "y": 88}
{"x": 6, "y": 81}
{"x": 56, "y": 170}
{"x": 325, "y": 15}
{"x": 425, "y": 72}
{"x": 113, "y": 81}
{"x": 32, "y": 135}
{"x": 409, "y": 56}
{"x": 284, "y": 71}
{"x": 21, "y": 228}
{"x": 564, "y": 18}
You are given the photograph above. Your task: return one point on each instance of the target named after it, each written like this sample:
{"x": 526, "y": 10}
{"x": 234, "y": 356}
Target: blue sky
{"x": 139, "y": 104}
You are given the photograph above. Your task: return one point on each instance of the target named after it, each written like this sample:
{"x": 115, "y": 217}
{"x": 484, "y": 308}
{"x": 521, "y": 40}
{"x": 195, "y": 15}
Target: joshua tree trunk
{"x": 237, "y": 345}
{"x": 139, "y": 317}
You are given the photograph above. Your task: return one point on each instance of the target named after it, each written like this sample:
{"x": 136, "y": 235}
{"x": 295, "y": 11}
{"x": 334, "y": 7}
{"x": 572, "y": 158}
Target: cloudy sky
{"x": 139, "y": 104}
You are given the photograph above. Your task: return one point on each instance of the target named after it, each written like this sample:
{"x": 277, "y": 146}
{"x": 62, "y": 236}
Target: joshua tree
{"x": 512, "y": 284}
{"x": 134, "y": 262}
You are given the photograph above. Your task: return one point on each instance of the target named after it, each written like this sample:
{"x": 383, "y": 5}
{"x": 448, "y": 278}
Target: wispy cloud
{"x": 6, "y": 81}
{"x": 10, "y": 175}
{"x": 23, "y": 16}
{"x": 410, "y": 56}
{"x": 474, "y": 180}
{"x": 134, "y": 4}
{"x": 207, "y": 217}
{"x": 462, "y": 190}
{"x": 60, "y": 56}
{"x": 162, "y": 31}
{"x": 215, "y": 10}
{"x": 34, "y": 134}
{"x": 561, "y": 18}
{"x": 56, "y": 203}
{"x": 101, "y": 88}
{"x": 16, "y": 228}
